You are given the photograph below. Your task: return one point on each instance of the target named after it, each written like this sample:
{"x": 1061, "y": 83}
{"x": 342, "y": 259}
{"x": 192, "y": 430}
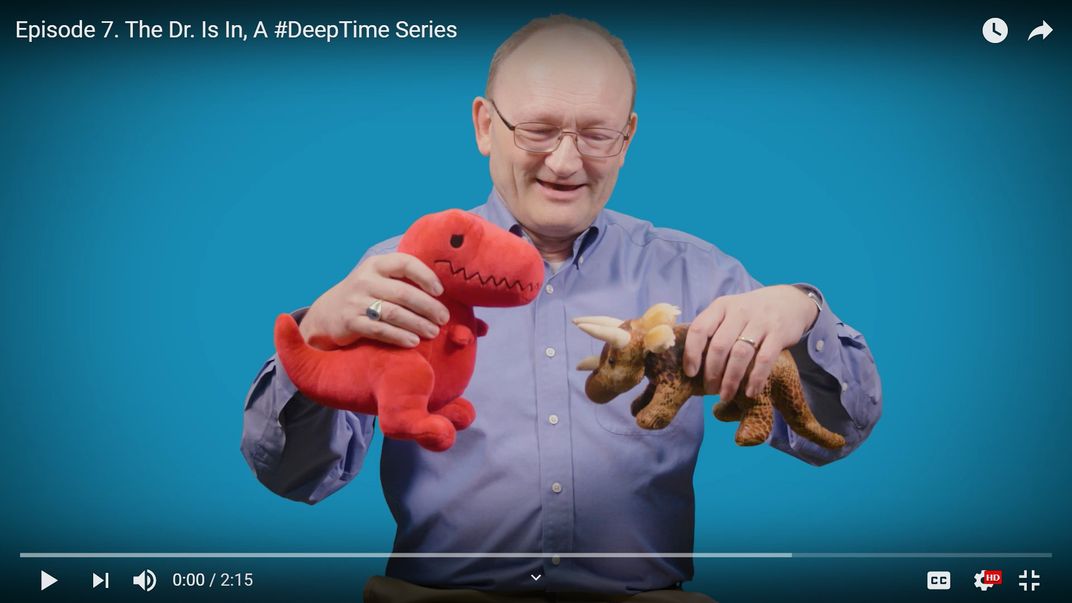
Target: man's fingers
{"x": 411, "y": 298}
{"x": 382, "y": 331}
{"x": 401, "y": 317}
{"x": 764, "y": 364}
{"x": 718, "y": 351}
{"x": 741, "y": 355}
{"x": 403, "y": 265}
{"x": 699, "y": 333}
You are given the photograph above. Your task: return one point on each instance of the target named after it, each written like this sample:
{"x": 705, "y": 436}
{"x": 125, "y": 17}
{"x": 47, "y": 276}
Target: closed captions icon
{"x": 938, "y": 580}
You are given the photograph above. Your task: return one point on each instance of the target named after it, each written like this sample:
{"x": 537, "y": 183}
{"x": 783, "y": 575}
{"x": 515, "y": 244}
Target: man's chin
{"x": 558, "y": 227}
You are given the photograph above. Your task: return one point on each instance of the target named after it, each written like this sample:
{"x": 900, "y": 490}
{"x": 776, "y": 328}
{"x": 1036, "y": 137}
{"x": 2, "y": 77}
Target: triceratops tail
{"x": 803, "y": 422}
{"x": 787, "y": 395}
{"x": 333, "y": 378}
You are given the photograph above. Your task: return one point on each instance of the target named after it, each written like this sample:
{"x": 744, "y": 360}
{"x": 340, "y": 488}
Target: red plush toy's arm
{"x": 460, "y": 335}
{"x": 481, "y": 328}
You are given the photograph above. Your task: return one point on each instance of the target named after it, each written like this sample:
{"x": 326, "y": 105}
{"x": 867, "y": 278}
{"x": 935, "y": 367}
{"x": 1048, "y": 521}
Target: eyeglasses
{"x": 536, "y": 137}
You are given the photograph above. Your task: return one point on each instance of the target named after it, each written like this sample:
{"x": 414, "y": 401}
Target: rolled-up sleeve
{"x": 297, "y": 448}
{"x": 841, "y": 382}
{"x": 841, "y": 385}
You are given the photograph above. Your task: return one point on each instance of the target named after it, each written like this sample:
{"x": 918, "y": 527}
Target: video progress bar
{"x": 485, "y": 555}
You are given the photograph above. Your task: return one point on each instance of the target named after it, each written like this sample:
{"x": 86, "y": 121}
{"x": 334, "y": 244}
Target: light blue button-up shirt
{"x": 542, "y": 469}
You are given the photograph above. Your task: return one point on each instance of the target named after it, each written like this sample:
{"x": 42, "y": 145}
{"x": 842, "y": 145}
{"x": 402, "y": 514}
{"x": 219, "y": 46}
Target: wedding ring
{"x": 375, "y": 310}
{"x": 750, "y": 342}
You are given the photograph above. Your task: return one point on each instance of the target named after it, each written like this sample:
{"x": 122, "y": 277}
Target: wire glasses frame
{"x": 537, "y": 137}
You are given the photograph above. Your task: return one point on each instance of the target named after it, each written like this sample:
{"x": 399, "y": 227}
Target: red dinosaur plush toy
{"x": 417, "y": 391}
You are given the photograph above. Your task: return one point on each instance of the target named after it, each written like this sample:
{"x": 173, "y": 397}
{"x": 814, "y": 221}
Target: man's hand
{"x": 773, "y": 317}
{"x": 408, "y": 312}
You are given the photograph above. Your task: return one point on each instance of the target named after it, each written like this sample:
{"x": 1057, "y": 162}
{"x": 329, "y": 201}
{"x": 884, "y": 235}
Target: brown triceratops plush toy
{"x": 653, "y": 346}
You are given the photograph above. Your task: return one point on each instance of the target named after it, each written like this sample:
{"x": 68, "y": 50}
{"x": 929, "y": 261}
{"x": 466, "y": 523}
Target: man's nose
{"x": 566, "y": 159}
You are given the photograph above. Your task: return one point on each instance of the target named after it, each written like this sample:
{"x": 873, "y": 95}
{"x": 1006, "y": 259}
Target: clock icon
{"x": 995, "y": 30}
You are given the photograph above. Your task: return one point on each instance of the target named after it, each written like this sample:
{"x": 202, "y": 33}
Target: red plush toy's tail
{"x": 336, "y": 378}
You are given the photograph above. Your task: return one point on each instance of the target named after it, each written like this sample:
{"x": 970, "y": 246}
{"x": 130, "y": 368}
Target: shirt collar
{"x": 496, "y": 212}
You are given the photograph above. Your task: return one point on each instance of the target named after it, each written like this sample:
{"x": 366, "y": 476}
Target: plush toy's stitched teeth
{"x": 498, "y": 282}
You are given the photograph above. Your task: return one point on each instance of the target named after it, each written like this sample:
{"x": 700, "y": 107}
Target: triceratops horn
{"x": 615, "y": 336}
{"x": 608, "y": 321}
{"x": 590, "y": 363}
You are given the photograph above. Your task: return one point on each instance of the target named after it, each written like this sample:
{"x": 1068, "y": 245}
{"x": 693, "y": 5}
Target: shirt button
{"x": 550, "y": 352}
{"x": 555, "y": 560}
{"x": 556, "y": 487}
{"x": 580, "y": 260}
{"x": 819, "y": 345}
{"x": 549, "y": 289}
{"x": 844, "y": 386}
{"x": 553, "y": 419}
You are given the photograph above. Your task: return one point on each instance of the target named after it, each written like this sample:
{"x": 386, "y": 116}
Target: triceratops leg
{"x": 787, "y": 395}
{"x": 756, "y": 424}
{"x": 728, "y": 411}
{"x": 402, "y": 394}
{"x": 669, "y": 397}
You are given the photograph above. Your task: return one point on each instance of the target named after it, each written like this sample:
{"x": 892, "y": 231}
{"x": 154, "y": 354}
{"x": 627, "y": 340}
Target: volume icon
{"x": 146, "y": 580}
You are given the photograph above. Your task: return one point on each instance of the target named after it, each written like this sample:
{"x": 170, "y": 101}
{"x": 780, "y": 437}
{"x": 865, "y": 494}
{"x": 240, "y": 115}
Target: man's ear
{"x": 631, "y": 131}
{"x": 482, "y": 125}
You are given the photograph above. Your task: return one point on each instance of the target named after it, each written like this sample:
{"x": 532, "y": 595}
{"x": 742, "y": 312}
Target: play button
{"x": 47, "y": 580}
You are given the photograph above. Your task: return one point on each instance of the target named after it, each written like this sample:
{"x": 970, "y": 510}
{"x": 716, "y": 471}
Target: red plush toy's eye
{"x": 457, "y": 240}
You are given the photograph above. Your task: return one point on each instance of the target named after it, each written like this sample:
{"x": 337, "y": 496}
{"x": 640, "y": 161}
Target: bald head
{"x": 545, "y": 42}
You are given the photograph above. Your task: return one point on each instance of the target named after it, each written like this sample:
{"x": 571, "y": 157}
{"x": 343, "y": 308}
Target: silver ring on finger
{"x": 749, "y": 341}
{"x": 375, "y": 310}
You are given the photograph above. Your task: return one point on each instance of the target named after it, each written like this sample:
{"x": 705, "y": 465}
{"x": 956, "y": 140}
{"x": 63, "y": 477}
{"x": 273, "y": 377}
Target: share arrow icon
{"x": 1042, "y": 30}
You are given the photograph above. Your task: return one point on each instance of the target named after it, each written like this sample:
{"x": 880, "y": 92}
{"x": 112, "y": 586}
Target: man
{"x": 543, "y": 470}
